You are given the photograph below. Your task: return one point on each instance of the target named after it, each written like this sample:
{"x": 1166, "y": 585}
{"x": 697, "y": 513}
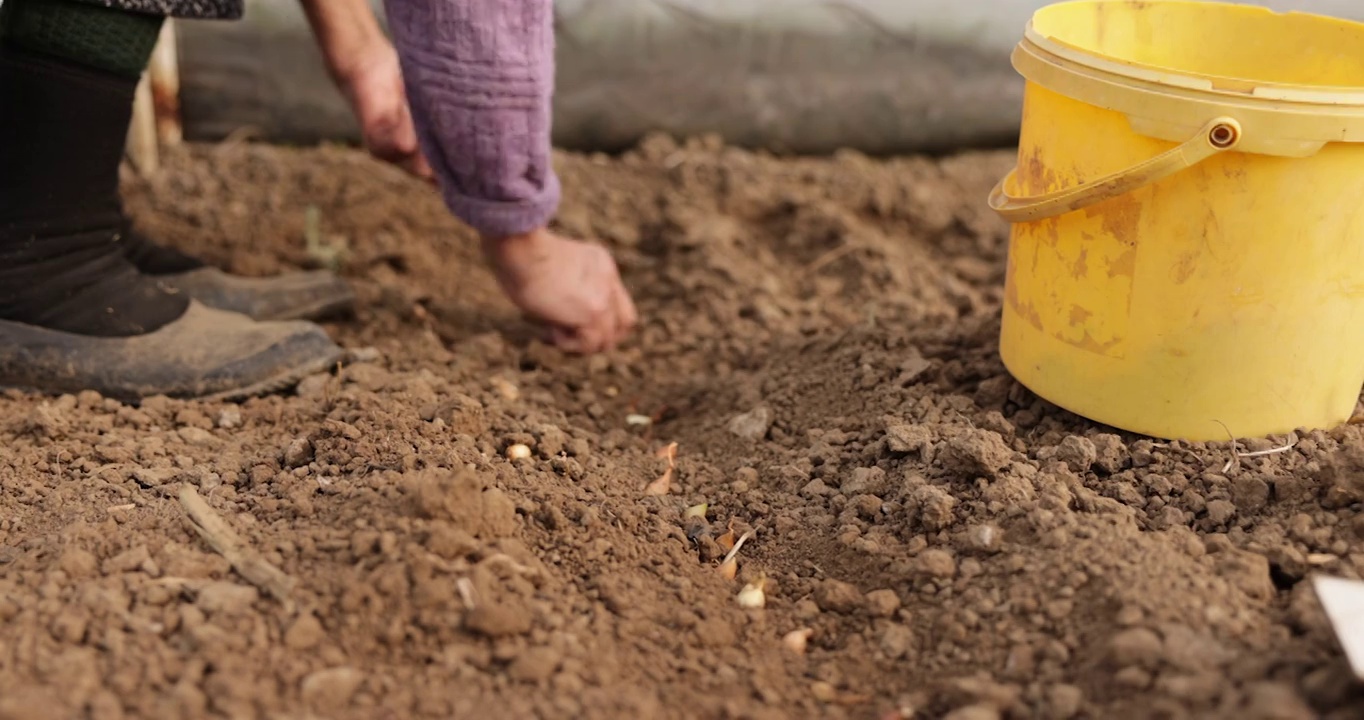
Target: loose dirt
{"x": 819, "y": 339}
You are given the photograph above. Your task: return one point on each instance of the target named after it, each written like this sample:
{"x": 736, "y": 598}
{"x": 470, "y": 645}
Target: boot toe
{"x": 206, "y": 353}
{"x": 310, "y": 295}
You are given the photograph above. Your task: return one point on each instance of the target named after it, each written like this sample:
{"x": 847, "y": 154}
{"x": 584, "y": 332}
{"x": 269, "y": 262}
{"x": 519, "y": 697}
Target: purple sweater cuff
{"x": 479, "y": 76}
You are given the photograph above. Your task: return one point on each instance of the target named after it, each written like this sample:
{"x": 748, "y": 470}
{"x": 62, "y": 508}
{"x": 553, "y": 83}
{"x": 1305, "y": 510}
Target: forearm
{"x": 480, "y": 78}
{"x": 347, "y": 32}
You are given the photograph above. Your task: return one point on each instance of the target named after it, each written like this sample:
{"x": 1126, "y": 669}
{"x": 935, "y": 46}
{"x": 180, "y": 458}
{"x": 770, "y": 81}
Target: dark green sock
{"x": 114, "y": 41}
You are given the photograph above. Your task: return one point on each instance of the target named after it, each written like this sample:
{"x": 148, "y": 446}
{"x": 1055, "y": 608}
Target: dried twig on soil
{"x": 223, "y": 539}
{"x": 466, "y": 593}
{"x": 729, "y": 567}
{"x": 829, "y": 257}
{"x": 1272, "y": 451}
{"x": 1237, "y": 453}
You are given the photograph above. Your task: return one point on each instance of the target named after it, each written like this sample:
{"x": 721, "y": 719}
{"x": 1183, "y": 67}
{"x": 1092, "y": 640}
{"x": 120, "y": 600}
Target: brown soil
{"x": 820, "y": 341}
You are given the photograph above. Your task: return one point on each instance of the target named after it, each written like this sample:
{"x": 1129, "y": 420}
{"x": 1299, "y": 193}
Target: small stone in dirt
{"x": 904, "y": 438}
{"x": 979, "y": 711}
{"x": 227, "y": 598}
{"x": 752, "y": 425}
{"x": 1078, "y": 453}
{"x": 1133, "y": 678}
{"x": 1220, "y": 512}
{"x": 815, "y": 489}
{"x": 975, "y": 453}
{"x": 298, "y": 453}
{"x": 838, "y": 596}
{"x": 984, "y": 538}
{"x": 534, "y": 665}
{"x": 1109, "y": 453}
{"x": 1276, "y": 701}
{"x": 1247, "y": 571}
{"x": 331, "y": 689}
{"x": 230, "y": 417}
{"x": 1250, "y": 493}
{"x": 935, "y": 506}
{"x": 1343, "y": 475}
{"x": 550, "y": 441}
{"x": 497, "y": 621}
{"x": 154, "y": 477}
{"x": 305, "y": 633}
{"x": 1288, "y": 562}
{"x": 1064, "y": 702}
{"x": 1136, "y": 646}
{"x": 896, "y": 641}
{"x": 462, "y": 414}
{"x": 936, "y": 564}
{"x": 882, "y": 603}
{"x": 197, "y": 437}
{"x": 128, "y": 560}
{"x": 368, "y": 377}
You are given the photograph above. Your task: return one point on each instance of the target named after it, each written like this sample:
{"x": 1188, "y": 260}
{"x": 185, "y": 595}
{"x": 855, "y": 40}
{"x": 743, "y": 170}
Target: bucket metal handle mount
{"x": 1218, "y": 136}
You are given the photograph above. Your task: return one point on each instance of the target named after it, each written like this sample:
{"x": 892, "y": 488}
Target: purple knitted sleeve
{"x": 480, "y": 76}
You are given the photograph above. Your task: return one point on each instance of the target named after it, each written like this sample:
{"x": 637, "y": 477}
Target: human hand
{"x": 572, "y": 286}
{"x": 374, "y": 87}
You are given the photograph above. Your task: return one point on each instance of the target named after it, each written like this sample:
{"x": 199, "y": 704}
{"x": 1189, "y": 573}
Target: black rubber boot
{"x": 75, "y": 314}
{"x": 313, "y": 295}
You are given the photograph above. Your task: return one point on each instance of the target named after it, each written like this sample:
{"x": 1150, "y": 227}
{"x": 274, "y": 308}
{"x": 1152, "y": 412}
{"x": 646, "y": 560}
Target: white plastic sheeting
{"x": 881, "y": 76}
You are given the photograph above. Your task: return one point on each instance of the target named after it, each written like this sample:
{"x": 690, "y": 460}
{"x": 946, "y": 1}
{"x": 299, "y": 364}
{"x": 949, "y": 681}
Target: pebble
{"x": 976, "y": 453}
{"x": 1064, "y": 702}
{"x": 882, "y": 603}
{"x": 896, "y": 641}
{"x": 332, "y": 689}
{"x": 838, "y": 597}
{"x": 298, "y": 453}
{"x": 979, "y": 711}
{"x": 305, "y": 633}
{"x": 154, "y": 477}
{"x": 936, "y": 563}
{"x": 197, "y": 437}
{"x": 903, "y": 438}
{"x": 1276, "y": 701}
{"x": 752, "y": 425}
{"x": 497, "y": 621}
{"x": 1250, "y": 493}
{"x": 1135, "y": 647}
{"x": 984, "y": 538}
{"x": 1109, "y": 453}
{"x": 534, "y": 665}
{"x": 227, "y": 598}
{"x": 1078, "y": 453}
{"x": 1220, "y": 512}
{"x": 230, "y": 417}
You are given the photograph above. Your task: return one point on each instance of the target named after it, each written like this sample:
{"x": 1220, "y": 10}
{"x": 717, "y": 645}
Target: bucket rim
{"x": 1226, "y": 85}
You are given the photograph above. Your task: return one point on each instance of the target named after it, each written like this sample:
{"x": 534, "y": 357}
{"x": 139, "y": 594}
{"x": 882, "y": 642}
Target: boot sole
{"x": 205, "y": 354}
{"x": 284, "y": 381}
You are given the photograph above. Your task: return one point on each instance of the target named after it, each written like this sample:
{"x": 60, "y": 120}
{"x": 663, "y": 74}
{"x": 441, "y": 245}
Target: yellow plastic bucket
{"x": 1187, "y": 252}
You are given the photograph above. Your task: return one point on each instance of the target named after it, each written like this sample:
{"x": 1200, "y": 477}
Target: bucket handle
{"x": 1218, "y": 136}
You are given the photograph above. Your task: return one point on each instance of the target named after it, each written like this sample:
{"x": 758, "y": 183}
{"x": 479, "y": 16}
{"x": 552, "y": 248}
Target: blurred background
{"x": 802, "y": 76}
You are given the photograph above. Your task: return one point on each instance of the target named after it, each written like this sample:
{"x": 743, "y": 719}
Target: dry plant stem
{"x": 1272, "y": 451}
{"x": 223, "y": 539}
{"x": 734, "y": 551}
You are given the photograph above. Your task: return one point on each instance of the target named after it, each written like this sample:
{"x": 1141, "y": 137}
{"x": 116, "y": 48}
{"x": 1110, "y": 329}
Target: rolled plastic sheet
{"x": 804, "y": 76}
